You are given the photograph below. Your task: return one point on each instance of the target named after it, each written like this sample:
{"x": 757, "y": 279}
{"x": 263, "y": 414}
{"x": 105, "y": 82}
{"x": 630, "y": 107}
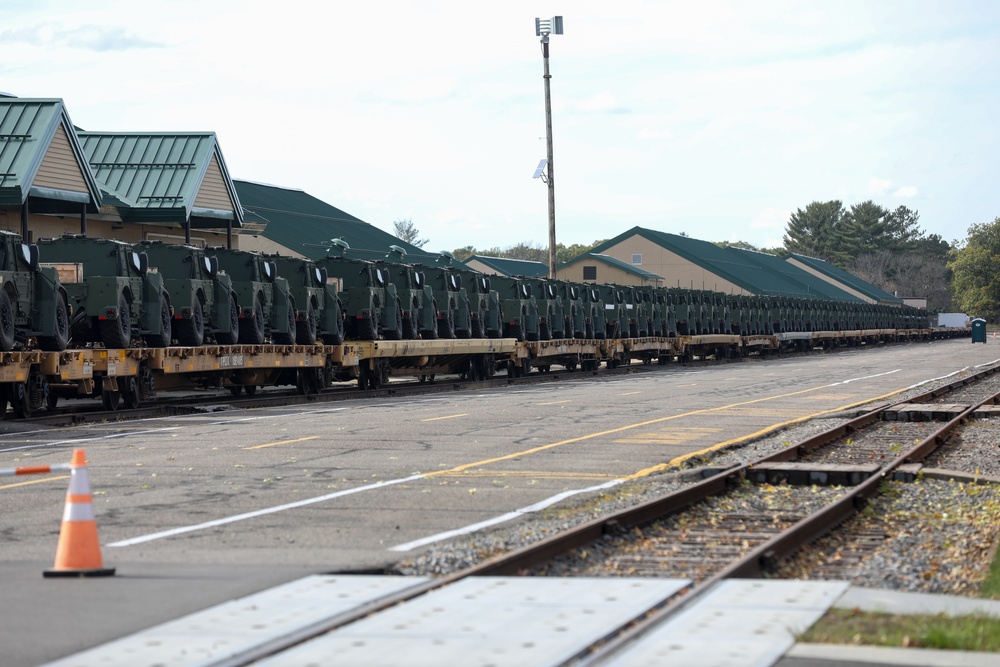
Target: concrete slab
{"x": 740, "y": 623}
{"x": 902, "y": 602}
{"x": 493, "y": 621}
{"x": 235, "y": 627}
{"x": 826, "y": 655}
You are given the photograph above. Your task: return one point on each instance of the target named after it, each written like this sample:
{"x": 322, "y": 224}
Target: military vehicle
{"x": 616, "y": 311}
{"x": 419, "y": 308}
{"x": 321, "y": 314}
{"x": 32, "y": 302}
{"x": 267, "y": 308}
{"x": 484, "y": 301}
{"x": 372, "y": 308}
{"x": 520, "y": 311}
{"x": 551, "y": 323}
{"x": 114, "y": 297}
{"x": 453, "y": 306}
{"x": 201, "y": 295}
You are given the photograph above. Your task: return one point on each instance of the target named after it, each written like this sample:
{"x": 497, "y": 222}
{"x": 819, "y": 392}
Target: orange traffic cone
{"x": 78, "y": 553}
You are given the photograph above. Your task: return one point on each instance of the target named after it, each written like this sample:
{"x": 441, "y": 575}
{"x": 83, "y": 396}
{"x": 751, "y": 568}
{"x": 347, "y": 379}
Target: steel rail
{"x": 520, "y": 560}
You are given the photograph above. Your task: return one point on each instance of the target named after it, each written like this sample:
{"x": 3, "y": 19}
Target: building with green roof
{"x": 45, "y": 179}
{"x": 293, "y": 222}
{"x": 834, "y": 275}
{"x": 505, "y": 266}
{"x": 593, "y": 267}
{"x": 163, "y": 185}
{"x": 690, "y": 263}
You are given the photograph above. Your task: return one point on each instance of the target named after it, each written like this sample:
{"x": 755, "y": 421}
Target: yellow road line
{"x": 630, "y": 393}
{"x": 764, "y": 431}
{"x": 434, "y": 419}
{"x": 283, "y": 442}
{"x": 34, "y": 481}
{"x": 591, "y": 436}
{"x": 554, "y": 402}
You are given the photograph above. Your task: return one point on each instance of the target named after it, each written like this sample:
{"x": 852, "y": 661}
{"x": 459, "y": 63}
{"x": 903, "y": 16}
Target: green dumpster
{"x": 979, "y": 330}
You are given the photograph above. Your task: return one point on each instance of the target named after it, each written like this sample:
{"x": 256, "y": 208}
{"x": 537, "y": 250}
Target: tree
{"x": 744, "y": 245}
{"x": 814, "y": 231}
{"x": 976, "y": 271}
{"x": 407, "y": 231}
{"x": 462, "y": 254}
{"x": 907, "y": 274}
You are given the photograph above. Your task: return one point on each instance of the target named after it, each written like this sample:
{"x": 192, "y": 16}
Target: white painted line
{"x": 250, "y": 515}
{"x": 866, "y": 377}
{"x": 471, "y": 528}
{"x": 75, "y": 441}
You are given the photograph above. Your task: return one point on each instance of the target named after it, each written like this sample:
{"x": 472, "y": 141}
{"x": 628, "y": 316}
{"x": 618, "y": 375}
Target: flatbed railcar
{"x": 33, "y": 380}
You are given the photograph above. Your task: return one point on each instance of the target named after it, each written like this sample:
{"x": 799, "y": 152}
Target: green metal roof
{"x": 739, "y": 267}
{"x": 615, "y": 262}
{"x": 506, "y": 266}
{"x": 803, "y": 282}
{"x": 156, "y": 177}
{"x": 845, "y": 278}
{"x": 27, "y": 128}
{"x": 299, "y": 221}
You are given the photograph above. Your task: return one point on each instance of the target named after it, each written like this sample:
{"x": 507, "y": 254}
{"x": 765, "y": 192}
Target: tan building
{"x": 597, "y": 268}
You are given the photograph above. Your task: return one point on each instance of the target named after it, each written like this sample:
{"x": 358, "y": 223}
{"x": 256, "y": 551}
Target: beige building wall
{"x": 675, "y": 270}
{"x": 59, "y": 169}
{"x": 104, "y": 227}
{"x": 213, "y": 193}
{"x": 606, "y": 273}
{"x": 482, "y": 268}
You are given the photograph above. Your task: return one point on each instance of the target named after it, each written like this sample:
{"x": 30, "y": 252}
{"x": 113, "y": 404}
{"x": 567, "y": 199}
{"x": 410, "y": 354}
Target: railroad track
{"x": 740, "y": 522}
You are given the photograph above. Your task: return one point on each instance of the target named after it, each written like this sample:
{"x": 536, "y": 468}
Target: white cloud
{"x": 653, "y": 133}
{"x": 771, "y": 218}
{"x": 906, "y": 191}
{"x": 879, "y": 186}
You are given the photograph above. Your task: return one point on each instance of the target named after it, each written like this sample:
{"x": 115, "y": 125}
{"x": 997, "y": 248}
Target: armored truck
{"x": 32, "y": 302}
{"x": 114, "y": 296}
{"x": 267, "y": 308}
{"x": 320, "y": 312}
{"x": 202, "y": 296}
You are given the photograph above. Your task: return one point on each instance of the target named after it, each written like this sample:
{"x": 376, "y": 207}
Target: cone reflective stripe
{"x": 79, "y": 551}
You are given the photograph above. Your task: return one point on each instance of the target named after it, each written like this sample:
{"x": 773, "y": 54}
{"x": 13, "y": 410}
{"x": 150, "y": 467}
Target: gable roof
{"x": 792, "y": 278}
{"x": 41, "y": 158}
{"x": 838, "y": 275}
{"x": 506, "y": 266}
{"x": 164, "y": 177}
{"x": 301, "y": 222}
{"x": 615, "y": 262}
{"x": 751, "y": 271}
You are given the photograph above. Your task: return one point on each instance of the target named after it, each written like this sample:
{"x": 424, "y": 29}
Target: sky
{"x": 715, "y": 119}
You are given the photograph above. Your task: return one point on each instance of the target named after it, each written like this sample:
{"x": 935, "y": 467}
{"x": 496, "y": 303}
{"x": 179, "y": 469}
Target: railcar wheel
{"x": 59, "y": 339}
{"x": 130, "y": 395}
{"x": 116, "y": 334}
{"x": 236, "y": 389}
{"x": 250, "y": 389}
{"x": 51, "y": 402}
{"x": 111, "y": 399}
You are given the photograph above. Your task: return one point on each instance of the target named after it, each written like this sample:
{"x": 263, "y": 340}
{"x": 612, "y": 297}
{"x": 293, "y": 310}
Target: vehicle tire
{"x": 516, "y": 332}
{"x": 116, "y": 334}
{"x": 232, "y": 336}
{"x": 306, "y": 333}
{"x": 410, "y": 327}
{"x": 288, "y": 336}
{"x": 396, "y": 332}
{"x": 165, "y": 337}
{"x": 252, "y": 328}
{"x": 466, "y": 330}
{"x": 6, "y": 322}
{"x": 477, "y": 328}
{"x": 366, "y": 329}
{"x": 191, "y": 331}
{"x": 336, "y": 337}
{"x": 59, "y": 339}
{"x": 446, "y": 325}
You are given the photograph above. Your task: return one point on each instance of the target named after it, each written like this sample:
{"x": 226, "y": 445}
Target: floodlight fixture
{"x": 545, "y": 27}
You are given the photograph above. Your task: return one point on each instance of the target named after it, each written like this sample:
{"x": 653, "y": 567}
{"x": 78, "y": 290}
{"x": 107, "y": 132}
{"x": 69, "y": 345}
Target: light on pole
{"x": 543, "y": 28}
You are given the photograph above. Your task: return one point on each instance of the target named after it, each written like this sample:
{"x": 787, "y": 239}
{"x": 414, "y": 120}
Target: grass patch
{"x": 962, "y": 633}
{"x": 991, "y": 585}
